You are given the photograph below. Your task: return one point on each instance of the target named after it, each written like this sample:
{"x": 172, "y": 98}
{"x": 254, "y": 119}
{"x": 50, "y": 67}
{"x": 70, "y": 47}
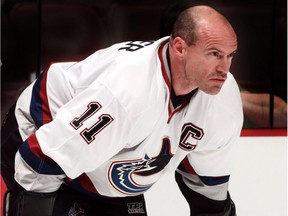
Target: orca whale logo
{"x": 121, "y": 172}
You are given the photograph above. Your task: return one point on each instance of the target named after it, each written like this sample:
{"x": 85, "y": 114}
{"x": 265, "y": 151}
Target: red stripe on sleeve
{"x": 47, "y": 117}
{"x": 35, "y": 148}
{"x": 187, "y": 166}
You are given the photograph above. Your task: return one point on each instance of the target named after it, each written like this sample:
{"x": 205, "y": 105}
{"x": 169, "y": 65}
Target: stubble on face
{"x": 214, "y": 50}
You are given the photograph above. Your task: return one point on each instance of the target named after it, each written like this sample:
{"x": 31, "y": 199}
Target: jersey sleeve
{"x": 208, "y": 172}
{"x": 86, "y": 131}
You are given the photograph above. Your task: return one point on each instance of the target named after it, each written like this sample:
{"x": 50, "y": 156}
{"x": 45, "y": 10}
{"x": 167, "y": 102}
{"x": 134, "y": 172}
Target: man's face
{"x": 208, "y": 61}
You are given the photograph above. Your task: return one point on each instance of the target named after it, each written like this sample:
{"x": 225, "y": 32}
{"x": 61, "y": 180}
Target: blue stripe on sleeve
{"x": 212, "y": 181}
{"x": 39, "y": 165}
{"x": 36, "y": 103}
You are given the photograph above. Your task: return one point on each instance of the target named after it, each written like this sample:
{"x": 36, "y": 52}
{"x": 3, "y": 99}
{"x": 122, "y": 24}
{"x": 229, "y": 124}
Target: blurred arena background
{"x": 37, "y": 32}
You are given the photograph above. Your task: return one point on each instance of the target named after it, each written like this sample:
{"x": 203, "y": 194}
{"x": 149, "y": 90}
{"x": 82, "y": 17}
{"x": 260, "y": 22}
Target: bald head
{"x": 202, "y": 46}
{"x": 197, "y": 20}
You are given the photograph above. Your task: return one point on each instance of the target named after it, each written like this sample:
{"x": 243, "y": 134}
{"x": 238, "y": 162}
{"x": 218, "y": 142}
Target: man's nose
{"x": 224, "y": 65}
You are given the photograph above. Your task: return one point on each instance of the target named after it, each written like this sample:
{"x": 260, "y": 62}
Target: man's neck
{"x": 180, "y": 84}
{"x": 180, "y": 97}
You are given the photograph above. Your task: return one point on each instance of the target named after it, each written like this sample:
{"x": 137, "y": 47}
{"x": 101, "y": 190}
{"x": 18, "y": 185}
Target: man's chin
{"x": 212, "y": 91}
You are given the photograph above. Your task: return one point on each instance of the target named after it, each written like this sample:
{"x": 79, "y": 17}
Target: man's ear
{"x": 178, "y": 45}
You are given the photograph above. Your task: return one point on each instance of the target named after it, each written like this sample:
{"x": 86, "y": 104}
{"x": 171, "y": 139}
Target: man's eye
{"x": 217, "y": 54}
{"x": 231, "y": 55}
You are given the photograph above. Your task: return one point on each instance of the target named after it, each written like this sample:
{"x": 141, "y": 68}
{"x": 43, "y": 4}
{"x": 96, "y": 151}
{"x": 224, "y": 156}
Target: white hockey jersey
{"x": 106, "y": 125}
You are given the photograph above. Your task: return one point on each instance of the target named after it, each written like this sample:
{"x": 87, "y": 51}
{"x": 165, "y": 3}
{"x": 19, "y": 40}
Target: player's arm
{"x": 206, "y": 196}
{"x": 203, "y": 178}
{"x": 203, "y": 175}
{"x": 85, "y": 133}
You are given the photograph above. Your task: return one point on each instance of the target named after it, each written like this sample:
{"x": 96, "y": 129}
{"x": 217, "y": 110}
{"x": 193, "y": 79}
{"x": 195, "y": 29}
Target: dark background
{"x": 35, "y": 33}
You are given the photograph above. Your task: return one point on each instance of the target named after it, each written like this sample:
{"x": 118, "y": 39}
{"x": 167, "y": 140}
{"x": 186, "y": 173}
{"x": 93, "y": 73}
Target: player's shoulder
{"x": 228, "y": 102}
{"x": 224, "y": 107}
{"x": 133, "y": 47}
{"x": 135, "y": 73}
{"x": 230, "y": 93}
{"x": 220, "y": 116}
{"x": 230, "y": 83}
{"x": 135, "y": 79}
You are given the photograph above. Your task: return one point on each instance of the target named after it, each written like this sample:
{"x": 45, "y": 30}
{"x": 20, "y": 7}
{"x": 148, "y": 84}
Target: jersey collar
{"x": 166, "y": 72}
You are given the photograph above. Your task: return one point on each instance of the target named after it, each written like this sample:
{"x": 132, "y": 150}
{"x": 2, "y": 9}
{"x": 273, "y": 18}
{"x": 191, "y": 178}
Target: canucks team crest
{"x": 122, "y": 174}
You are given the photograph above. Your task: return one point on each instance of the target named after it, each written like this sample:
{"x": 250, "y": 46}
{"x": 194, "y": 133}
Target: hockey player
{"x": 95, "y": 135}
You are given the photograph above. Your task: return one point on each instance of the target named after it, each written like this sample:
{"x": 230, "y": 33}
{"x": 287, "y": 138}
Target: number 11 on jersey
{"x": 89, "y": 134}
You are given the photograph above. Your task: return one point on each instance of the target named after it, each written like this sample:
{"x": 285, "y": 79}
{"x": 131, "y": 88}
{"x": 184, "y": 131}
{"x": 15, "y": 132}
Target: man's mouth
{"x": 220, "y": 80}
